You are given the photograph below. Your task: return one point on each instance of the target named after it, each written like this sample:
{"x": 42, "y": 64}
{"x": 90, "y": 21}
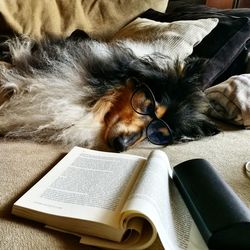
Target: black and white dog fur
{"x": 77, "y": 92}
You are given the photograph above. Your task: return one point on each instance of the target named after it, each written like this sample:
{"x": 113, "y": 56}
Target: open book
{"x": 116, "y": 201}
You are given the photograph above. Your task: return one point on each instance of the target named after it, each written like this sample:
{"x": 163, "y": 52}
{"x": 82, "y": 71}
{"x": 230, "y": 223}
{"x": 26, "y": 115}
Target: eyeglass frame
{"x": 153, "y": 115}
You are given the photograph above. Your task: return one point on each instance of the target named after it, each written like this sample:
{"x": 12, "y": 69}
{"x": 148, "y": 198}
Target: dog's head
{"x": 172, "y": 95}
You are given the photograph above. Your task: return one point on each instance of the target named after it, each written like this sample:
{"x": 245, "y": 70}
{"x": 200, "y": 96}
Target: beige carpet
{"x": 23, "y": 163}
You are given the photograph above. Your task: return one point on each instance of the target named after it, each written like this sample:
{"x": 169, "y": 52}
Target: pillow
{"x": 224, "y": 47}
{"x": 175, "y": 39}
{"x": 98, "y": 18}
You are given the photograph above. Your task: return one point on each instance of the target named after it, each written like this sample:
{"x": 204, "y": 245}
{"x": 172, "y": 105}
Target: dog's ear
{"x": 194, "y": 65}
{"x": 145, "y": 69}
{"x": 192, "y": 71}
{"x": 187, "y": 106}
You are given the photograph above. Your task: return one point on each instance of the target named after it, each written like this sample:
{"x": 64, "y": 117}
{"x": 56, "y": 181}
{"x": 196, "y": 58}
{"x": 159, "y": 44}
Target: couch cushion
{"x": 99, "y": 18}
{"x": 23, "y": 163}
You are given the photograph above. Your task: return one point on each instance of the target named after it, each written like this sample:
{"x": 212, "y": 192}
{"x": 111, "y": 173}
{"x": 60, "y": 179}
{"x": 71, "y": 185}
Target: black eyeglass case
{"x": 221, "y": 216}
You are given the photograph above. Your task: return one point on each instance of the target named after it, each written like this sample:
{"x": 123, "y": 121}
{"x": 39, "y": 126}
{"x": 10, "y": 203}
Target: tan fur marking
{"x": 160, "y": 110}
{"x": 104, "y": 104}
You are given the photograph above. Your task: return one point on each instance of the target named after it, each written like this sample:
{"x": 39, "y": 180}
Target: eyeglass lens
{"x": 158, "y": 132}
{"x": 143, "y": 101}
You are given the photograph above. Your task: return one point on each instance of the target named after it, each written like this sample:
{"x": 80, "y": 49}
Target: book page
{"x": 187, "y": 233}
{"x": 86, "y": 185}
{"x": 156, "y": 196}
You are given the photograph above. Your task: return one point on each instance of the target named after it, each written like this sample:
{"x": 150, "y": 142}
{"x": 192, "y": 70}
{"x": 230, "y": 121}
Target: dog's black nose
{"x": 122, "y": 142}
{"x": 119, "y": 144}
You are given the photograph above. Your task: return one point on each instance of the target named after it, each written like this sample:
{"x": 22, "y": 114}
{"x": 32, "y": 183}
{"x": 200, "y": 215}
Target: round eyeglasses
{"x": 143, "y": 102}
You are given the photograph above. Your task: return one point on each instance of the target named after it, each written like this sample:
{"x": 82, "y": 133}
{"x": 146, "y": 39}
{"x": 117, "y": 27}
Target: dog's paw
{"x": 196, "y": 131}
{"x": 209, "y": 129}
{"x": 5, "y": 55}
{"x": 6, "y": 90}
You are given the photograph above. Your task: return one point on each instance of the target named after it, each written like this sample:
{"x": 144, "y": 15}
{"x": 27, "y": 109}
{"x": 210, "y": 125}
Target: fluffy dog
{"x": 78, "y": 92}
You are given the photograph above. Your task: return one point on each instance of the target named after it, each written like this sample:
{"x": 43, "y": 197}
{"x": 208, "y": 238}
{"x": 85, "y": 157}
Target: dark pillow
{"x": 224, "y": 48}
